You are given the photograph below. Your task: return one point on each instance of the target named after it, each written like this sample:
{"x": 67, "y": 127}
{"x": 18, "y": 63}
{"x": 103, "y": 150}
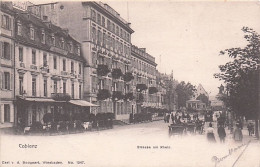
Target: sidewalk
{"x": 249, "y": 153}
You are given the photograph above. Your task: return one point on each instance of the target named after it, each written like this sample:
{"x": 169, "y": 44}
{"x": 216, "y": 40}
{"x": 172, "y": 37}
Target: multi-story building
{"x": 6, "y": 65}
{"x": 171, "y": 98}
{"x": 106, "y": 45}
{"x": 144, "y": 71}
{"x": 162, "y": 91}
{"x": 48, "y": 69}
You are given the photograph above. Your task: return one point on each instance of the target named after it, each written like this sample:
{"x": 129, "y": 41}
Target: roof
{"x": 82, "y": 103}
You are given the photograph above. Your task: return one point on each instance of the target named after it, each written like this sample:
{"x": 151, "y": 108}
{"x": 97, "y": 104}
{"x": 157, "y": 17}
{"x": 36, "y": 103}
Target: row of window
{"x": 45, "y": 61}
{"x": 106, "y": 40}
{"x": 115, "y": 86}
{"x": 52, "y": 39}
{"x": 45, "y": 87}
{"x": 140, "y": 65}
{"x": 110, "y": 25}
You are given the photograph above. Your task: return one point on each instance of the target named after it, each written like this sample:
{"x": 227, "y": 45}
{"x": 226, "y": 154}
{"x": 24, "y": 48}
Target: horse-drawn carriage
{"x": 180, "y": 129}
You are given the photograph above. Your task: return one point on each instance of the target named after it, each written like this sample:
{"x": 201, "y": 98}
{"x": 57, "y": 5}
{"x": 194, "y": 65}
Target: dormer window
{"x": 43, "y": 37}
{"x": 62, "y": 43}
{"x": 32, "y": 33}
{"x": 19, "y": 28}
{"x": 53, "y": 39}
{"x": 78, "y": 50}
{"x": 70, "y": 47}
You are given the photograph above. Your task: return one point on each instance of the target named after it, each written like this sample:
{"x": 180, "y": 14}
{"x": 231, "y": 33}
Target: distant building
{"x": 144, "y": 71}
{"x": 195, "y": 105}
{"x": 200, "y": 90}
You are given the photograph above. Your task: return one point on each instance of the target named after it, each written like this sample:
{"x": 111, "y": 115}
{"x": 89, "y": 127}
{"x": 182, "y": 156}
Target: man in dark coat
{"x": 221, "y": 133}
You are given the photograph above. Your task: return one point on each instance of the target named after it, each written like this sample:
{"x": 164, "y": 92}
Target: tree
{"x": 203, "y": 98}
{"x": 241, "y": 77}
{"x": 184, "y": 91}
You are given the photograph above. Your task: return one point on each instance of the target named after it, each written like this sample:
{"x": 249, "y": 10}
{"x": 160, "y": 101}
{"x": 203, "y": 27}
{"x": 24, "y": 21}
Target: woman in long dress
{"x": 210, "y": 134}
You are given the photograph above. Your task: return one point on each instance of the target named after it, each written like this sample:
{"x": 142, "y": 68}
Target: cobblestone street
{"x": 146, "y": 143}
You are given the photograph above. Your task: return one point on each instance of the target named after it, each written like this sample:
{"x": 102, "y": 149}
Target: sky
{"x": 186, "y": 37}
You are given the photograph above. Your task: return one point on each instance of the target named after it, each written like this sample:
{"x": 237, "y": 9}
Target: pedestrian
{"x": 250, "y": 128}
{"x": 237, "y": 135}
{"x": 168, "y": 118}
{"x": 165, "y": 117}
{"x": 210, "y": 134}
{"x": 221, "y": 133}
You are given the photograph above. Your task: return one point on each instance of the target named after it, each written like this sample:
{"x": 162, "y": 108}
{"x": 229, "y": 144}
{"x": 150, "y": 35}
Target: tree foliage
{"x": 184, "y": 91}
{"x": 241, "y": 76}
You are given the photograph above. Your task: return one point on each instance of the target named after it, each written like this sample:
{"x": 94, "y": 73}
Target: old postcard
{"x": 129, "y": 83}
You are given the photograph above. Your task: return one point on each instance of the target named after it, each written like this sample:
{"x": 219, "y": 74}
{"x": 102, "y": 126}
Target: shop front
{"x": 42, "y": 111}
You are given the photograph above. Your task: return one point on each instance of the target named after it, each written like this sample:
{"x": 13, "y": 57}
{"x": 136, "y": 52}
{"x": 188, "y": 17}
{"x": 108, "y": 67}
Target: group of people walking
{"x": 237, "y": 134}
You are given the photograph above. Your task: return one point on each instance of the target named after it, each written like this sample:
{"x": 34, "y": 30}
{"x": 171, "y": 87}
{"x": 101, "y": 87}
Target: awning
{"x": 33, "y": 99}
{"x": 82, "y": 103}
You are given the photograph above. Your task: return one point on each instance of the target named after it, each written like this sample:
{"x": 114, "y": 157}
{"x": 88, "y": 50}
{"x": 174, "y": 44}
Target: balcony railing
{"x": 45, "y": 69}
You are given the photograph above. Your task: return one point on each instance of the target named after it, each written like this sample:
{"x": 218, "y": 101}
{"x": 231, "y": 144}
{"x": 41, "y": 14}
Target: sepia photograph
{"x": 149, "y": 83}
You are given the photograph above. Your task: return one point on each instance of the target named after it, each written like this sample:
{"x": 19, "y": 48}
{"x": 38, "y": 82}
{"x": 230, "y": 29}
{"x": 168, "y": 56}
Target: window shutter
{"x": 1, "y": 114}
{"x": 1, "y": 80}
{"x": 10, "y": 24}
{"x": 11, "y": 81}
{"x": 2, "y": 21}
{"x": 11, "y": 113}
{"x": 11, "y": 51}
{"x": 1, "y": 51}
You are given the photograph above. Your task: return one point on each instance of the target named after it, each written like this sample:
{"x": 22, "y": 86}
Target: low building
{"x": 195, "y": 105}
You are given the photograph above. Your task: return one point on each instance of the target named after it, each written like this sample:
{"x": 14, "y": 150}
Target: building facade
{"x": 144, "y": 84}
{"x": 48, "y": 69}
{"x": 6, "y": 65}
{"x": 106, "y": 46}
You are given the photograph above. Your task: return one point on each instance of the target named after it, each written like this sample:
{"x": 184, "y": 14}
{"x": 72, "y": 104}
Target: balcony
{"x": 61, "y": 96}
{"x": 152, "y": 90}
{"x": 141, "y": 87}
{"x": 102, "y": 70}
{"x": 117, "y": 95}
{"x": 128, "y": 77}
{"x": 45, "y": 69}
{"x": 33, "y": 67}
{"x": 103, "y": 94}
{"x": 73, "y": 75}
{"x": 116, "y": 73}
{"x": 129, "y": 96}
